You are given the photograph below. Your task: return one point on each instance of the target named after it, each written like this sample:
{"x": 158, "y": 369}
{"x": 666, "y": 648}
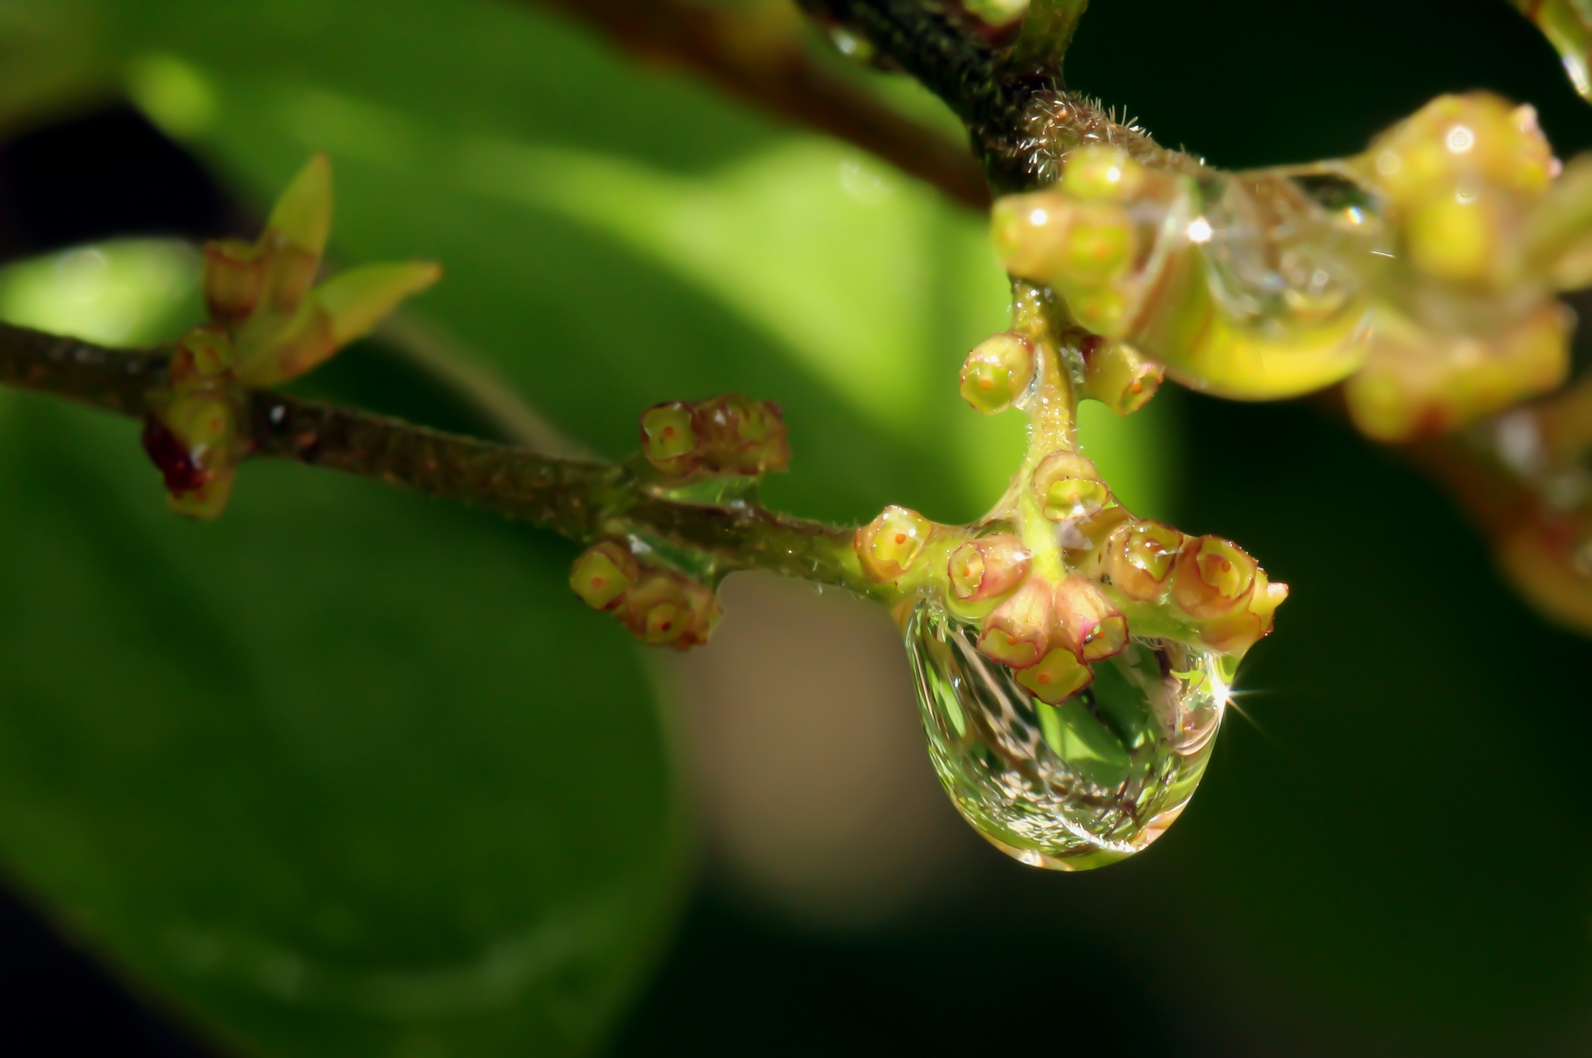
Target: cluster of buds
{"x": 722, "y": 436}
{"x": 1426, "y": 278}
{"x": 1465, "y": 322}
{"x": 1121, "y": 576}
{"x": 268, "y": 323}
{"x": 659, "y": 607}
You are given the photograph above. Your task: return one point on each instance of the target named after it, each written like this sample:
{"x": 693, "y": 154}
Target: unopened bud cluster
{"x": 268, "y": 323}
{"x": 724, "y": 435}
{"x": 1427, "y": 277}
{"x": 658, "y": 606}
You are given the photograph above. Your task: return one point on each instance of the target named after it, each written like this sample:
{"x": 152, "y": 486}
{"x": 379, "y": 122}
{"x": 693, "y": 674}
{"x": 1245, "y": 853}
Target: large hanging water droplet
{"x": 1076, "y": 785}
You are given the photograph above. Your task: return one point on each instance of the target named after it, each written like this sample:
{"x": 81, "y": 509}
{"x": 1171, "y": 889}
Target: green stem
{"x": 582, "y": 500}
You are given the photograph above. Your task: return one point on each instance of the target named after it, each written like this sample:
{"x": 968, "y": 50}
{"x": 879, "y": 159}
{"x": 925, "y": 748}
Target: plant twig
{"x": 583, "y": 501}
{"x": 766, "y": 64}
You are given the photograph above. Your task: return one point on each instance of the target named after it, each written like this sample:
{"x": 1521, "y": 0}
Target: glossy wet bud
{"x": 889, "y": 545}
{"x": 1241, "y": 629}
{"x": 1056, "y": 677}
{"x": 988, "y": 567}
{"x": 1102, "y": 173}
{"x": 1067, "y": 486}
{"x": 1028, "y": 231}
{"x": 1212, "y": 577}
{"x": 1476, "y": 135}
{"x": 1105, "y": 311}
{"x": 665, "y": 609}
{"x": 668, "y": 435}
{"x": 997, "y": 372}
{"x": 232, "y": 278}
{"x": 1118, "y": 375}
{"x": 603, "y": 574}
{"x": 1085, "y": 622}
{"x": 1140, "y": 557}
{"x": 738, "y": 435}
{"x": 1017, "y": 632}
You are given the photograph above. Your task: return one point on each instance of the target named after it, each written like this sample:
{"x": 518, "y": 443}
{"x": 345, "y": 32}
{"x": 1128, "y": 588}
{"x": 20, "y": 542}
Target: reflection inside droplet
{"x": 1077, "y": 785}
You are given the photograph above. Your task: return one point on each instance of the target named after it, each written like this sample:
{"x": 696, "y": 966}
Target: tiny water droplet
{"x": 1077, "y": 785}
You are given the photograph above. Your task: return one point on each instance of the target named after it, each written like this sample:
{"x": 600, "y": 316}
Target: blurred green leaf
{"x": 345, "y": 773}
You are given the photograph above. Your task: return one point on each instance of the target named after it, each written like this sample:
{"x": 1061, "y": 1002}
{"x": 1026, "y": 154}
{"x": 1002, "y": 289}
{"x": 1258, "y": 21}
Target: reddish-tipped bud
{"x": 987, "y": 568}
{"x": 603, "y": 574}
{"x": 192, "y": 440}
{"x": 203, "y": 355}
{"x": 1085, "y": 622}
{"x": 234, "y": 274}
{"x": 668, "y": 436}
{"x": 742, "y": 436}
{"x": 1212, "y": 577}
{"x": 1058, "y": 676}
{"x": 1068, "y": 486}
{"x": 665, "y": 609}
{"x": 1140, "y": 557}
{"x": 1118, "y": 376}
{"x": 997, "y": 372}
{"x": 1238, "y": 631}
{"x": 889, "y": 545}
{"x": 1017, "y": 632}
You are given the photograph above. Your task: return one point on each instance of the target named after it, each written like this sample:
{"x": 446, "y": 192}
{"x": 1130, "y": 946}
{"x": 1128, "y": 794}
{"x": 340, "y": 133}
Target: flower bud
{"x": 1028, "y": 231}
{"x": 192, "y": 441}
{"x": 1118, "y": 376}
{"x": 1236, "y": 632}
{"x": 1085, "y": 622}
{"x": 665, "y": 609}
{"x": 233, "y": 276}
{"x": 1212, "y": 577}
{"x": 1056, "y": 677}
{"x": 1097, "y": 249}
{"x": 1017, "y": 632}
{"x": 603, "y": 574}
{"x": 1102, "y": 173}
{"x": 889, "y": 545}
{"x": 738, "y": 435}
{"x": 988, "y": 567}
{"x": 997, "y": 372}
{"x": 1068, "y": 486}
{"x": 1140, "y": 557}
{"x": 668, "y": 436}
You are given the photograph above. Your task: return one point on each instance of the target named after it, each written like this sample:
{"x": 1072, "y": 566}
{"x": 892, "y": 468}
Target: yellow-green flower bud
{"x": 889, "y": 545}
{"x": 1140, "y": 557}
{"x": 1118, "y": 376}
{"x": 1102, "y": 173}
{"x": 1085, "y": 622}
{"x": 1068, "y": 486}
{"x": 603, "y": 574}
{"x": 1096, "y": 249}
{"x": 1056, "y": 677}
{"x": 988, "y": 567}
{"x": 1212, "y": 577}
{"x": 1017, "y": 632}
{"x": 668, "y": 435}
{"x": 665, "y": 609}
{"x": 997, "y": 372}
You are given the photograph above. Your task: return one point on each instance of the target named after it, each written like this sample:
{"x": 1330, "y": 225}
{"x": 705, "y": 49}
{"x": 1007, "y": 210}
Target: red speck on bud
{"x": 1058, "y": 676}
{"x": 1085, "y": 622}
{"x": 666, "y": 609}
{"x": 889, "y": 545}
{"x": 997, "y": 372}
{"x": 1068, "y": 486}
{"x": 603, "y": 574}
{"x": 1212, "y": 577}
{"x": 1017, "y": 632}
{"x": 725, "y": 435}
{"x": 1140, "y": 557}
{"x": 988, "y": 567}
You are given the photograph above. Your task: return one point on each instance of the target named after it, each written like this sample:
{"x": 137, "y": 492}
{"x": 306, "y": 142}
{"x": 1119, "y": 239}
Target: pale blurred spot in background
{"x": 801, "y": 739}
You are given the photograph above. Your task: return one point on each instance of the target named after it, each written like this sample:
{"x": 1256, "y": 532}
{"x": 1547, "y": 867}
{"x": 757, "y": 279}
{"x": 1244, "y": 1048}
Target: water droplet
{"x": 1077, "y": 785}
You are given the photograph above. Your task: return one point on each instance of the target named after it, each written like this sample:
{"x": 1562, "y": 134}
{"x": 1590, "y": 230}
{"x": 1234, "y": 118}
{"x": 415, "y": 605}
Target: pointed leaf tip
{"x": 302, "y": 217}
{"x": 355, "y": 301}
